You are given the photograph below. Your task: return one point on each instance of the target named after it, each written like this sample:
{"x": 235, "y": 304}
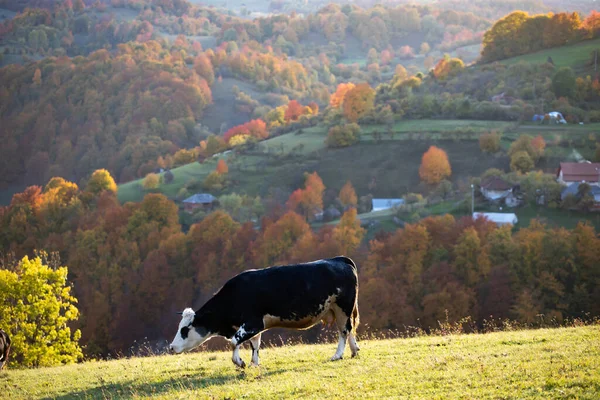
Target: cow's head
{"x": 190, "y": 333}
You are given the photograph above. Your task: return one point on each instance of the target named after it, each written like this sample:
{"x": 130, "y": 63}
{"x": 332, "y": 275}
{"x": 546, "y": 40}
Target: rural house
{"x": 495, "y": 188}
{"x": 386, "y": 204}
{"x": 578, "y": 172}
{"x": 204, "y": 201}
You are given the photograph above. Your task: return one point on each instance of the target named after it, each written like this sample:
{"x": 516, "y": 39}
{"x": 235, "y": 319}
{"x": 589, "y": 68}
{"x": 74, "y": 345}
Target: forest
{"x": 274, "y": 110}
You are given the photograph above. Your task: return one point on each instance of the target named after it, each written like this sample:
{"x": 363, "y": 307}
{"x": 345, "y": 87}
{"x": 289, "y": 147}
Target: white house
{"x": 385, "y": 204}
{"x": 499, "y": 218}
{"x": 495, "y": 188}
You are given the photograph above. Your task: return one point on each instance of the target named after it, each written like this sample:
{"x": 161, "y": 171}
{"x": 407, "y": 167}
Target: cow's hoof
{"x": 240, "y": 363}
{"x": 336, "y": 357}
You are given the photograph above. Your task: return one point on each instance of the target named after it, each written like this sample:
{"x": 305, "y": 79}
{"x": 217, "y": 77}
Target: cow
{"x": 290, "y": 296}
{"x": 4, "y": 348}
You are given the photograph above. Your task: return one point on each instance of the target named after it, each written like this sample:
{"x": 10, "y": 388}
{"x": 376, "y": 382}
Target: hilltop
{"x": 534, "y": 364}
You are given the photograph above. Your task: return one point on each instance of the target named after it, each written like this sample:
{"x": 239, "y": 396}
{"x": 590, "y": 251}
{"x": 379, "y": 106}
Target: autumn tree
{"x": 151, "y": 181}
{"x": 337, "y": 99}
{"x": 358, "y": 101}
{"x": 36, "y": 306}
{"x": 309, "y": 200}
{"x": 434, "y": 166}
{"x": 521, "y": 161}
{"x": 293, "y": 111}
{"x": 101, "y": 180}
{"x": 347, "y": 195}
{"x": 348, "y": 233}
{"x": 222, "y": 167}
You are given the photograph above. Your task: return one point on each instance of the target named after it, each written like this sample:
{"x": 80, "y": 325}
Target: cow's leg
{"x": 246, "y": 332}
{"x": 341, "y": 320}
{"x": 353, "y": 321}
{"x": 255, "y": 344}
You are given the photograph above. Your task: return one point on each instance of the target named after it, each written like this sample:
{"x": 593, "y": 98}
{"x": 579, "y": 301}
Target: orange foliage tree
{"x": 434, "y": 166}
{"x": 337, "y": 99}
{"x": 358, "y": 101}
{"x": 348, "y": 196}
{"x": 308, "y": 201}
{"x": 222, "y": 167}
{"x": 257, "y": 129}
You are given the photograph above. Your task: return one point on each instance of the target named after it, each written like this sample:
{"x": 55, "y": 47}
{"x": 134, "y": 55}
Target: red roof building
{"x": 578, "y": 172}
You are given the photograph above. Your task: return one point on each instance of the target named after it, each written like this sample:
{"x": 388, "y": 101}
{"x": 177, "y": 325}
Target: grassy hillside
{"x": 281, "y": 161}
{"x": 575, "y": 56}
{"x": 537, "y": 364}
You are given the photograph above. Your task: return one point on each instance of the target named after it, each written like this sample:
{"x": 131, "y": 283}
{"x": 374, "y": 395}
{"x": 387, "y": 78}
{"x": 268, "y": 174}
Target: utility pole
{"x": 472, "y": 199}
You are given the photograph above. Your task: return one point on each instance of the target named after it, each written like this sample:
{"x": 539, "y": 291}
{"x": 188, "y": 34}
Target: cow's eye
{"x": 184, "y": 332}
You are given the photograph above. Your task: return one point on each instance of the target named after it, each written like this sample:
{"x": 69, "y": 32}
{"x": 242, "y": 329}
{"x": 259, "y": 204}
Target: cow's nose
{"x": 171, "y": 349}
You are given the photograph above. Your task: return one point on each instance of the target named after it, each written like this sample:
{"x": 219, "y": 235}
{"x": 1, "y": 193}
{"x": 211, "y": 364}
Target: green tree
{"x": 563, "y": 82}
{"x": 35, "y": 307}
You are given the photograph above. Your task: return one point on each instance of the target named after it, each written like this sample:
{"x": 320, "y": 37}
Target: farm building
{"x": 578, "y": 172}
{"x": 386, "y": 204}
{"x": 204, "y": 201}
{"x": 495, "y": 188}
{"x": 499, "y": 218}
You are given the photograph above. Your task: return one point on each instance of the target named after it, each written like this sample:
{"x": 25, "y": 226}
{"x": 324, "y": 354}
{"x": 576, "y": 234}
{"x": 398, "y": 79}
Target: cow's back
{"x": 294, "y": 292}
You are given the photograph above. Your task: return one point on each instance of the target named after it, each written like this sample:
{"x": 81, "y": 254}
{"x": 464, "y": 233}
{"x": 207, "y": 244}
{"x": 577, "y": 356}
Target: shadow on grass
{"x": 134, "y": 388}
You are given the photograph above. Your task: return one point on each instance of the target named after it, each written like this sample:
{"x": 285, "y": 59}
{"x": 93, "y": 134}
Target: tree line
{"x": 132, "y": 266}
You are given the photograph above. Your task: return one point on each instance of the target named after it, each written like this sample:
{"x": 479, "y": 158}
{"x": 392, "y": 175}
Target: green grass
{"x": 573, "y": 56}
{"x": 559, "y": 363}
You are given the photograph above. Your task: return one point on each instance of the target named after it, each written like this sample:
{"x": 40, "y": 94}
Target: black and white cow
{"x": 4, "y": 348}
{"x": 292, "y": 296}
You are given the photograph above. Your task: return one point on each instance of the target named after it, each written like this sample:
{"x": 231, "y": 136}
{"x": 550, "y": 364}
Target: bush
{"x": 36, "y": 305}
{"x": 489, "y": 142}
{"x": 343, "y": 136}
{"x": 214, "y": 181}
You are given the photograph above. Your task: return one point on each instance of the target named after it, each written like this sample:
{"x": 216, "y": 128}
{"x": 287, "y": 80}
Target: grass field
{"x": 574, "y": 56}
{"x": 559, "y": 363}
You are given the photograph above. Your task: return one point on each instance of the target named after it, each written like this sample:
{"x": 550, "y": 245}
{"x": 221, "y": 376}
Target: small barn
{"x": 203, "y": 201}
{"x": 386, "y": 204}
{"x": 499, "y": 219}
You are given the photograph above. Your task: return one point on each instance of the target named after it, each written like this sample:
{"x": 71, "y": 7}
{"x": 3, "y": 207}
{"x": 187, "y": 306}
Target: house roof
{"x": 201, "y": 198}
{"x": 498, "y": 218}
{"x": 495, "y": 183}
{"x": 580, "y": 172}
{"x": 382, "y": 204}
{"x": 573, "y": 188}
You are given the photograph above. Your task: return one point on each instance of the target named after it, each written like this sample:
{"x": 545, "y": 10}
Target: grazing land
{"x": 531, "y": 364}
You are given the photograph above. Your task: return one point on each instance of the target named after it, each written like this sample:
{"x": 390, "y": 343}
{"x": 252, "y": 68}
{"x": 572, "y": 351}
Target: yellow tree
{"x": 358, "y": 101}
{"x": 347, "y": 195}
{"x": 434, "y": 166}
{"x": 348, "y": 233}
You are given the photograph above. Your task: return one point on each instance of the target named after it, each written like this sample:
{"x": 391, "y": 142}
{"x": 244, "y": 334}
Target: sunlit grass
{"x": 534, "y": 364}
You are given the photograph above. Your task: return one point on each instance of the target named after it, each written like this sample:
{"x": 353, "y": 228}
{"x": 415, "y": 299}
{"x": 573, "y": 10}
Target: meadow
{"x": 561, "y": 363}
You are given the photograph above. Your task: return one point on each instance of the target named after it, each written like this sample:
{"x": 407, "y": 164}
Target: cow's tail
{"x": 355, "y": 317}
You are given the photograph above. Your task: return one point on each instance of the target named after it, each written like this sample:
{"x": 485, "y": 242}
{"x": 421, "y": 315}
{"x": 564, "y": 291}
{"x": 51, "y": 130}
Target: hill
{"x": 577, "y": 56}
{"x": 534, "y": 364}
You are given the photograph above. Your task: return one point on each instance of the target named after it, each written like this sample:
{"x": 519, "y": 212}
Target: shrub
{"x": 489, "y": 142}
{"x": 343, "y": 136}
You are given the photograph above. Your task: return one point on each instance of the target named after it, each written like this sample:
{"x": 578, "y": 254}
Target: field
{"x": 574, "y": 56}
{"x": 536, "y": 364}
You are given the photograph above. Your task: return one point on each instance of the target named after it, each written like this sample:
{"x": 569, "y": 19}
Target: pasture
{"x": 532, "y": 364}
{"x": 577, "y": 56}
